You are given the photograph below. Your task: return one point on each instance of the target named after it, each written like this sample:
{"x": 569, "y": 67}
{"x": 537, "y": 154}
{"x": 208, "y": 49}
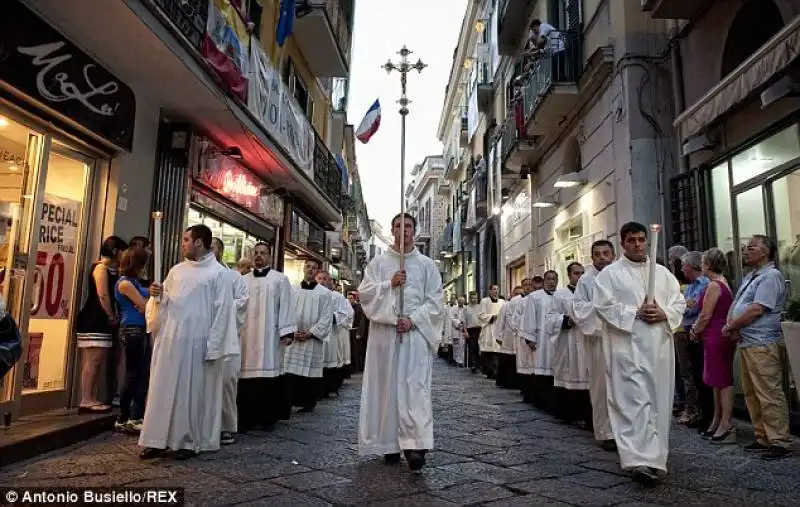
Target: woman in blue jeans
{"x": 132, "y": 297}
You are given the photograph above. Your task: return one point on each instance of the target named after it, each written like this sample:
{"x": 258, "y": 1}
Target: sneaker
{"x": 392, "y": 459}
{"x": 776, "y": 452}
{"x": 121, "y": 426}
{"x": 756, "y": 446}
{"x": 135, "y": 426}
{"x": 115, "y": 401}
{"x": 226, "y": 438}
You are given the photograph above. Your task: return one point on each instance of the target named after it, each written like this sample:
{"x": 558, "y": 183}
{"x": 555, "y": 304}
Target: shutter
{"x": 686, "y": 205}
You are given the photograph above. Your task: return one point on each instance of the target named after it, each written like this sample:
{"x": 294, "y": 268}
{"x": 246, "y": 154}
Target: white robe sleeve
{"x": 428, "y": 317}
{"x": 324, "y": 325}
{"x": 241, "y": 296}
{"x": 223, "y": 317}
{"x": 377, "y": 297}
{"x": 287, "y": 311}
{"x": 344, "y": 313}
{"x": 674, "y": 303}
{"x": 527, "y": 320}
{"x": 502, "y": 323}
{"x": 554, "y": 320}
{"x": 582, "y": 311}
{"x": 484, "y": 316}
{"x": 612, "y": 311}
{"x": 155, "y": 310}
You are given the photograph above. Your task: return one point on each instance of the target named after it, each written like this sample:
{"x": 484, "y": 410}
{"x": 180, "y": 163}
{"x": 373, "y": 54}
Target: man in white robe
{"x": 540, "y": 331}
{"x": 591, "y": 327}
{"x": 524, "y": 350}
{"x": 233, "y": 358}
{"x": 446, "y": 345}
{"x": 396, "y": 408}
{"x": 334, "y": 352}
{"x": 490, "y": 310}
{"x": 473, "y": 332}
{"x": 505, "y": 341}
{"x": 640, "y": 354}
{"x": 191, "y": 318}
{"x": 458, "y": 331}
{"x": 303, "y": 360}
{"x": 570, "y": 371}
{"x": 270, "y": 324}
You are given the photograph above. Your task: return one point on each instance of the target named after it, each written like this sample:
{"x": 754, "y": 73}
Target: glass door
{"x": 55, "y": 294}
{"x": 22, "y": 152}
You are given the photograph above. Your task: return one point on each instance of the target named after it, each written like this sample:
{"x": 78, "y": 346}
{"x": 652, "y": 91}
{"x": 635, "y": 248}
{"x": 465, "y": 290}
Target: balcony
{"x": 675, "y": 9}
{"x": 485, "y": 89}
{"x": 515, "y": 146}
{"x": 513, "y": 25}
{"x": 323, "y": 32}
{"x": 444, "y": 188}
{"x": 463, "y": 139}
{"x": 327, "y": 173}
{"x": 189, "y": 17}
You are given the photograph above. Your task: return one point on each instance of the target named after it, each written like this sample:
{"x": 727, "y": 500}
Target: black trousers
{"x": 262, "y": 402}
{"x": 332, "y": 379}
{"x": 305, "y": 391}
{"x": 526, "y": 387}
{"x": 543, "y": 395}
{"x": 506, "y": 371}
{"x": 473, "y": 348}
{"x": 137, "y": 373}
{"x": 357, "y": 358}
{"x": 705, "y": 394}
{"x": 572, "y": 405}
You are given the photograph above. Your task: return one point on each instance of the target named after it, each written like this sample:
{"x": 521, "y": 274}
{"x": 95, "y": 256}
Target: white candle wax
{"x": 157, "y": 217}
{"x": 651, "y": 279}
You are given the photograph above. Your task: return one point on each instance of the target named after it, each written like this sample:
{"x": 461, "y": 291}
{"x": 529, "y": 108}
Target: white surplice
{"x": 640, "y": 358}
{"x": 233, "y": 358}
{"x": 570, "y": 370}
{"x": 191, "y": 324}
{"x": 396, "y": 408}
{"x": 457, "y": 318}
{"x": 489, "y": 330}
{"x": 506, "y": 327}
{"x": 536, "y": 328}
{"x": 343, "y": 315}
{"x": 314, "y": 312}
{"x": 591, "y": 327}
{"x": 526, "y": 357}
{"x": 270, "y": 315}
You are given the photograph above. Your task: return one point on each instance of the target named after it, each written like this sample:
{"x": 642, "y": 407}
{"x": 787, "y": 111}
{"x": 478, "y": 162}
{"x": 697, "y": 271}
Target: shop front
{"x": 234, "y": 203}
{"x": 307, "y": 240}
{"x": 56, "y": 142}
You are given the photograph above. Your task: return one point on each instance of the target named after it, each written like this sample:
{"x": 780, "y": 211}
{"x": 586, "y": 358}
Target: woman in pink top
{"x": 718, "y": 350}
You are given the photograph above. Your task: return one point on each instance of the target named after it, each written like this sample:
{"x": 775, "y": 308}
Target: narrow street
{"x": 490, "y": 450}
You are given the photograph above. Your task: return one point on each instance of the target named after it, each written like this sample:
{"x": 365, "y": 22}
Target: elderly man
{"x": 699, "y": 407}
{"x": 755, "y": 321}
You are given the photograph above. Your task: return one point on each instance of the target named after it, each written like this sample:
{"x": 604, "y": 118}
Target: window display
{"x": 238, "y": 243}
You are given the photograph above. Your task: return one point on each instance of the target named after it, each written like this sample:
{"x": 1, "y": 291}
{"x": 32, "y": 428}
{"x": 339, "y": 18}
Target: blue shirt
{"x": 129, "y": 314}
{"x": 766, "y": 287}
{"x": 693, "y": 291}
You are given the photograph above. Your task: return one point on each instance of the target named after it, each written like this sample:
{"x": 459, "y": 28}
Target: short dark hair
{"x": 549, "y": 272}
{"x": 315, "y": 261}
{"x": 139, "y": 242}
{"x": 601, "y": 243}
{"x": 406, "y": 215}
{"x": 111, "y": 246}
{"x": 772, "y": 249}
{"x": 263, "y": 243}
{"x": 219, "y": 241}
{"x": 134, "y": 260}
{"x": 201, "y": 232}
{"x": 536, "y": 22}
{"x": 572, "y": 265}
{"x": 518, "y": 287}
{"x": 631, "y": 228}
{"x": 537, "y": 279}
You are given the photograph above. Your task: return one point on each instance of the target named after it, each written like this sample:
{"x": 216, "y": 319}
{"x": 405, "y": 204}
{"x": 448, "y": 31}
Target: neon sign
{"x": 238, "y": 184}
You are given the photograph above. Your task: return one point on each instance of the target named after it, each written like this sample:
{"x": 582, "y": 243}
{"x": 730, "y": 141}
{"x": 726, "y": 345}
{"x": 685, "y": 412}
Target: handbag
{"x": 10, "y": 344}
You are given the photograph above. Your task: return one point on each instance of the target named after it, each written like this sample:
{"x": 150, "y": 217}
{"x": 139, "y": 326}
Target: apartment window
{"x": 298, "y": 89}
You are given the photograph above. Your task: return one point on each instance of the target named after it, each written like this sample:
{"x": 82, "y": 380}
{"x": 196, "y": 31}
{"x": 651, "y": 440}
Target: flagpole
{"x": 404, "y": 67}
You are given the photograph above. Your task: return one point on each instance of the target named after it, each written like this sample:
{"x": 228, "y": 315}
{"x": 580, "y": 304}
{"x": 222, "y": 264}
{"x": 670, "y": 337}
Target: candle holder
{"x": 651, "y": 279}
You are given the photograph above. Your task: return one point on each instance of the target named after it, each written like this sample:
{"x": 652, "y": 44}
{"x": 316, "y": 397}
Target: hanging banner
{"x": 275, "y": 107}
{"x": 226, "y": 46}
{"x": 472, "y": 114}
{"x": 56, "y": 258}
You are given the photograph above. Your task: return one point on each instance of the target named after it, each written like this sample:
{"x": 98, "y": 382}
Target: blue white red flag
{"x": 369, "y": 125}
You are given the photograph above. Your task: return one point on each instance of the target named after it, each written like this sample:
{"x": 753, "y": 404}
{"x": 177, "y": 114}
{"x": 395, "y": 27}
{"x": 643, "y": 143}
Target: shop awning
{"x": 757, "y": 70}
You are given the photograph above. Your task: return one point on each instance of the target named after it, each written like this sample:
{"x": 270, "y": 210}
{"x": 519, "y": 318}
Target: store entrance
{"x": 238, "y": 243}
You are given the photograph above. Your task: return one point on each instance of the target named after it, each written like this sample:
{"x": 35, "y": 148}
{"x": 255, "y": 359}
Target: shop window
{"x": 787, "y": 228}
{"x": 721, "y": 206}
{"x": 750, "y": 216}
{"x": 768, "y": 154}
{"x": 238, "y": 244}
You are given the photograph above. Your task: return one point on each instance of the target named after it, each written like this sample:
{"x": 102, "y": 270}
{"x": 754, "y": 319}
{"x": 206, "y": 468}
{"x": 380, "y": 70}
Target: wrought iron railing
{"x": 189, "y": 16}
{"x": 510, "y": 134}
{"x": 327, "y": 174}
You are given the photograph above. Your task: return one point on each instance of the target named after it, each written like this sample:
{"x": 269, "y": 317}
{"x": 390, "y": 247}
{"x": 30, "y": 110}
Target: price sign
{"x": 55, "y": 258}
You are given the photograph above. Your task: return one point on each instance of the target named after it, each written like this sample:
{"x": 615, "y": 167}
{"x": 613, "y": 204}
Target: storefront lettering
{"x": 238, "y": 185}
{"x": 54, "y": 221}
{"x": 7, "y": 156}
{"x": 43, "y": 57}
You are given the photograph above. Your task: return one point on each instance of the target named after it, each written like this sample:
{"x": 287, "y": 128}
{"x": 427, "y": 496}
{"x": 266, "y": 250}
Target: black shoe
{"x": 151, "y": 453}
{"x": 306, "y": 410}
{"x": 756, "y": 446}
{"x": 391, "y": 459}
{"x": 416, "y": 460}
{"x": 645, "y": 476}
{"x": 183, "y": 455}
{"x": 226, "y": 438}
{"x": 609, "y": 445}
{"x": 776, "y": 452}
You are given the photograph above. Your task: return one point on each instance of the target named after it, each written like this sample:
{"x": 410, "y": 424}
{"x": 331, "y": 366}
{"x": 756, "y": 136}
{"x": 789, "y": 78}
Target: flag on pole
{"x": 285, "y": 22}
{"x": 369, "y": 125}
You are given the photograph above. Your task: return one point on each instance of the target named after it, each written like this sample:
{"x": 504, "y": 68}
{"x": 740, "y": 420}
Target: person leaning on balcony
{"x": 547, "y": 36}
{"x": 755, "y": 322}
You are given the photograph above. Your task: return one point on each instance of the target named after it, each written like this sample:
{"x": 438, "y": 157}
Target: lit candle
{"x": 158, "y": 216}
{"x": 651, "y": 280}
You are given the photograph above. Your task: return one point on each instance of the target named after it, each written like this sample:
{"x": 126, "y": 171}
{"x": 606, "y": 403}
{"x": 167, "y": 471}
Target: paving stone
{"x": 575, "y": 494}
{"x": 309, "y": 480}
{"x": 486, "y": 472}
{"x": 473, "y": 493}
{"x": 595, "y": 479}
{"x": 526, "y": 501}
{"x": 514, "y": 456}
{"x": 415, "y": 501}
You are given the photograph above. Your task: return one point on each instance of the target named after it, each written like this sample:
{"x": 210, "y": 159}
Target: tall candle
{"x": 158, "y": 216}
{"x": 651, "y": 279}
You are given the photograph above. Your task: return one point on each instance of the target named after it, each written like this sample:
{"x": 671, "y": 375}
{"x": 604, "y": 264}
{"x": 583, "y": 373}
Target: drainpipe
{"x": 678, "y": 97}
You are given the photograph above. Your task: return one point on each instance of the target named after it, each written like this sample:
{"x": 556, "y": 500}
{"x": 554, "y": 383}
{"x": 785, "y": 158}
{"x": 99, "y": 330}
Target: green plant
{"x": 793, "y": 310}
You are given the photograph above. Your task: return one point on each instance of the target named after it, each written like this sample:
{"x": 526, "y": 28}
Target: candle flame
{"x": 655, "y": 227}
{"x": 158, "y": 215}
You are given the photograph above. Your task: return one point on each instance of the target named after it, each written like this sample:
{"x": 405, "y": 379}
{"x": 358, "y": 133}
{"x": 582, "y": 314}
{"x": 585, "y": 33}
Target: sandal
{"x": 95, "y": 409}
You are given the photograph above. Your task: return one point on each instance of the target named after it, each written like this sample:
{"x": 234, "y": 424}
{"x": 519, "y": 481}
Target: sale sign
{"x": 56, "y": 258}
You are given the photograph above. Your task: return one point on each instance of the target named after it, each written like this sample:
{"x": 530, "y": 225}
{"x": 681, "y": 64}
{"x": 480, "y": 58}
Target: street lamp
{"x": 403, "y": 67}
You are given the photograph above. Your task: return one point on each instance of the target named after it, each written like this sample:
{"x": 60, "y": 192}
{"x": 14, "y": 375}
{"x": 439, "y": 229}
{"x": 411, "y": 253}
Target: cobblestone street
{"x": 491, "y": 449}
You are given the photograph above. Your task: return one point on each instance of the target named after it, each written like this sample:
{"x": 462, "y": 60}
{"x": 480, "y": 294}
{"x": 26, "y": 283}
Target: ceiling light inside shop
{"x": 545, "y": 203}
{"x": 480, "y": 26}
{"x": 3, "y": 122}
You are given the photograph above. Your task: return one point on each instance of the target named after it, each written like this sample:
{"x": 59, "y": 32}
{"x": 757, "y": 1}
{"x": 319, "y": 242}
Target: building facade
{"x": 156, "y": 110}
{"x": 423, "y": 202}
